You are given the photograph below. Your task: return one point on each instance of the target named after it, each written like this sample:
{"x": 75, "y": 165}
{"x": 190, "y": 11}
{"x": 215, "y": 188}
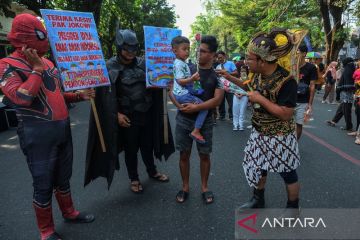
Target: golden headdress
{"x": 281, "y": 45}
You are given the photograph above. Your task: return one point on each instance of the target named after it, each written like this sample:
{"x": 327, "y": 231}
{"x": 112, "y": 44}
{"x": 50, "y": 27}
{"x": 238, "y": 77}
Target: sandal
{"x": 208, "y": 197}
{"x": 136, "y": 187}
{"x": 160, "y": 177}
{"x": 347, "y": 129}
{"x": 198, "y": 140}
{"x": 181, "y": 196}
{"x": 352, "y": 133}
{"x": 330, "y": 123}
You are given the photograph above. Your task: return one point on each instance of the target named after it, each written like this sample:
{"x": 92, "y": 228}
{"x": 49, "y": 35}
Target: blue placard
{"x": 76, "y": 48}
{"x": 159, "y": 56}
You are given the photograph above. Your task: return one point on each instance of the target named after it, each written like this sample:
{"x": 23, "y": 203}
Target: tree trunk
{"x": 334, "y": 41}
{"x": 110, "y": 49}
{"x": 225, "y": 44}
{"x": 94, "y": 6}
{"x": 35, "y": 5}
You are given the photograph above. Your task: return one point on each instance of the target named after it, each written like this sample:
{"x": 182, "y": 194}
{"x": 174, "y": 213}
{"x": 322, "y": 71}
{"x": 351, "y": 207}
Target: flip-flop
{"x": 208, "y": 197}
{"x": 330, "y": 123}
{"x": 182, "y": 195}
{"x": 346, "y": 129}
{"x": 198, "y": 140}
{"x": 160, "y": 177}
{"x": 352, "y": 133}
{"x": 138, "y": 185}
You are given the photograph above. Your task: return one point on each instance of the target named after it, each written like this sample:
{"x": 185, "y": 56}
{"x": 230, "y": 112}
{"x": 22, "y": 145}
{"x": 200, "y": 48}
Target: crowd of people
{"x": 345, "y": 83}
{"x": 339, "y": 80}
{"x": 132, "y": 115}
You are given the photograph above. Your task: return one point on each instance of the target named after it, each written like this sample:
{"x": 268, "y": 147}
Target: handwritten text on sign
{"x": 159, "y": 56}
{"x": 76, "y": 48}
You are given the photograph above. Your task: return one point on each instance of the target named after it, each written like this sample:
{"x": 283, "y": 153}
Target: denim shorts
{"x": 299, "y": 113}
{"x": 184, "y": 126}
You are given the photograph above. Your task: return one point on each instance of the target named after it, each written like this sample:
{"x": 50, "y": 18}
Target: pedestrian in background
{"x": 230, "y": 67}
{"x": 346, "y": 90}
{"x": 239, "y": 105}
{"x": 330, "y": 76}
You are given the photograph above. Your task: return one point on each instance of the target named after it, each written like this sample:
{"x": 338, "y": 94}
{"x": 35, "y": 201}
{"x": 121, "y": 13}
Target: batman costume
{"x": 127, "y": 96}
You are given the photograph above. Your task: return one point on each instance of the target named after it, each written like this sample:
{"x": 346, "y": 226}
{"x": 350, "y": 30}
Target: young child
{"x": 183, "y": 88}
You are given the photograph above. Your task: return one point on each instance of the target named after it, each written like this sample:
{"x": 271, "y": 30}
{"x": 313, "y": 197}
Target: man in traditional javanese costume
{"x": 272, "y": 146}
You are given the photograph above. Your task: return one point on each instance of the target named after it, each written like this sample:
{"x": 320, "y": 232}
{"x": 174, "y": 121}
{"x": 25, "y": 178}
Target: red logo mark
{"x": 251, "y": 217}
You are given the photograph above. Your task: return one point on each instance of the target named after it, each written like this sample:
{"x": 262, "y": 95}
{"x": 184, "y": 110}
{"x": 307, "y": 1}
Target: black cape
{"x": 99, "y": 164}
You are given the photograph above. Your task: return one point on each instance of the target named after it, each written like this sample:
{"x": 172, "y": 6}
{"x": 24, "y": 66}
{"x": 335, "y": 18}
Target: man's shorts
{"x": 184, "y": 126}
{"x": 300, "y": 113}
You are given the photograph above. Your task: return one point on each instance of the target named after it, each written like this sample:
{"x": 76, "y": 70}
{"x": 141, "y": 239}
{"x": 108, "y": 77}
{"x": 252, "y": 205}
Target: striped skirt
{"x": 269, "y": 153}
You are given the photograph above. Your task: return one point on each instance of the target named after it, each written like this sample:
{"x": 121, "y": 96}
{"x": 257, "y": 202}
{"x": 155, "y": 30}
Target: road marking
{"x": 332, "y": 148}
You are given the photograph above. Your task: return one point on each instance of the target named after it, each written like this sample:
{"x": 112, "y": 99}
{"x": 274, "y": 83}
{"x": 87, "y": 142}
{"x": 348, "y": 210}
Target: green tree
{"x": 235, "y": 22}
{"x": 357, "y": 11}
{"x": 249, "y": 17}
{"x": 212, "y": 24}
{"x": 203, "y": 25}
{"x": 5, "y": 8}
{"x": 334, "y": 26}
{"x": 93, "y": 6}
{"x": 132, "y": 14}
{"x": 109, "y": 14}
{"x": 35, "y": 6}
{"x": 324, "y": 19}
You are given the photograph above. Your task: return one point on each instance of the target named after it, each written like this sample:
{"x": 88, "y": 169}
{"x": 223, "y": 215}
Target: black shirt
{"x": 209, "y": 82}
{"x": 308, "y": 73}
{"x": 287, "y": 94}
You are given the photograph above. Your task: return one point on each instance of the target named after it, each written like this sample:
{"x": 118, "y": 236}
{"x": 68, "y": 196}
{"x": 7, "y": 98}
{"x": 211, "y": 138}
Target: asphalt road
{"x": 329, "y": 176}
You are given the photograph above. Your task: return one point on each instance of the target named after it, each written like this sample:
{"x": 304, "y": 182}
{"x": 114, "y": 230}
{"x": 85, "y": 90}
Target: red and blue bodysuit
{"x": 44, "y": 127}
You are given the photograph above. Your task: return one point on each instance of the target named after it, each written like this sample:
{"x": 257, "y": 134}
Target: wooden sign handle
{"x": 98, "y": 126}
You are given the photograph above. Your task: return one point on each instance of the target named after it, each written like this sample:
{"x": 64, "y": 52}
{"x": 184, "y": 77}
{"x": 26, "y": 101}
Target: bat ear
{"x": 119, "y": 40}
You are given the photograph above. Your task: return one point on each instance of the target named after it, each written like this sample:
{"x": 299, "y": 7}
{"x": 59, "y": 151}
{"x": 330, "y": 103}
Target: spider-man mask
{"x": 27, "y": 30}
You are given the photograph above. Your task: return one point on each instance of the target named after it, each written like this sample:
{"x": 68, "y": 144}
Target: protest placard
{"x": 76, "y": 49}
{"x": 159, "y": 56}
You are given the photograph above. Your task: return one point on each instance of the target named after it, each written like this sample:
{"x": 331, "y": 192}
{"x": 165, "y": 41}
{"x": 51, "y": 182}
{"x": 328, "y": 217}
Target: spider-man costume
{"x": 44, "y": 127}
